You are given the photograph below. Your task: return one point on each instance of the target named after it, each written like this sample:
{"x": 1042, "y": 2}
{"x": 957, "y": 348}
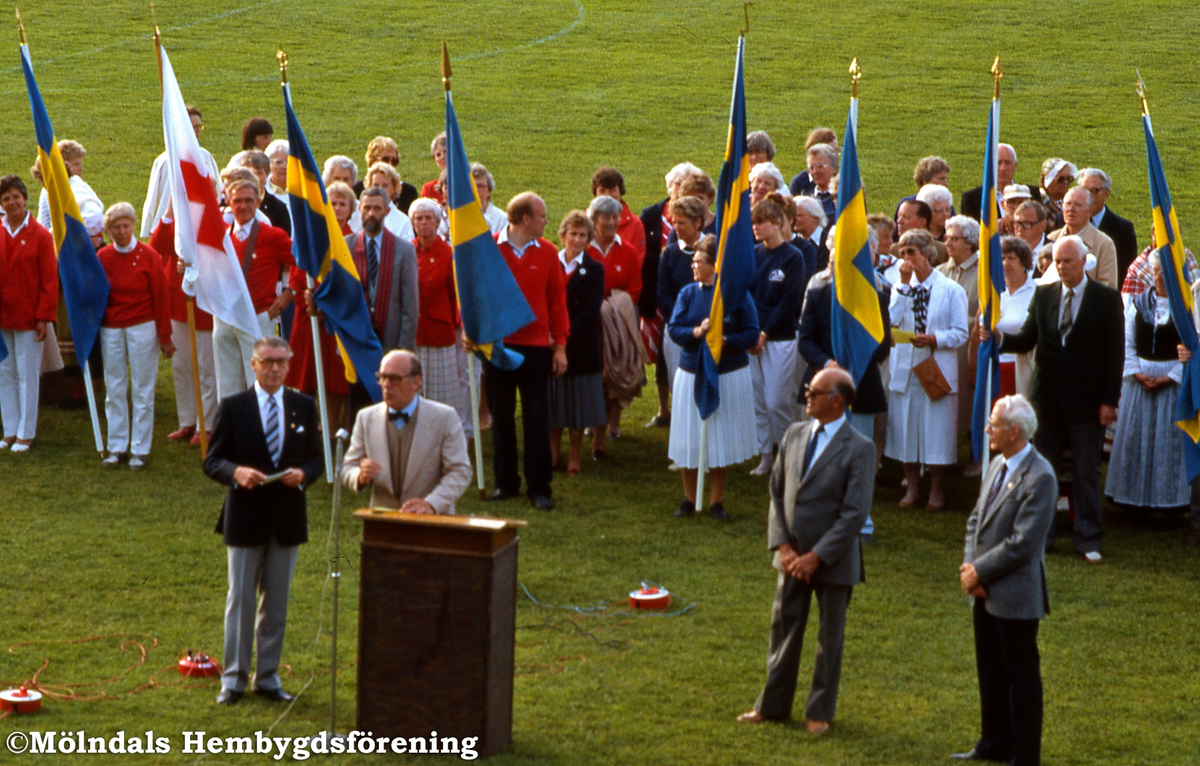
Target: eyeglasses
{"x": 819, "y": 166}
{"x": 273, "y": 361}
{"x": 393, "y": 161}
{"x": 1027, "y": 225}
{"x": 388, "y": 377}
{"x": 810, "y": 391}
{"x": 992, "y": 425}
{"x": 1064, "y": 179}
{"x": 955, "y": 238}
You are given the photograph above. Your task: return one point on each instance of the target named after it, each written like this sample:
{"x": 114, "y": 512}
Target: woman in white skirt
{"x": 933, "y": 307}
{"x": 437, "y": 346}
{"x": 731, "y": 437}
{"x": 1147, "y": 469}
{"x": 136, "y": 325}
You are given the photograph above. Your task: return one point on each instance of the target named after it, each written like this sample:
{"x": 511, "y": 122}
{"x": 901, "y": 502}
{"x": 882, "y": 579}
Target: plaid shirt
{"x": 1140, "y": 276}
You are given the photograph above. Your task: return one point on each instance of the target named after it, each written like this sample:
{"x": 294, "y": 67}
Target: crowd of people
{"x": 1084, "y": 327}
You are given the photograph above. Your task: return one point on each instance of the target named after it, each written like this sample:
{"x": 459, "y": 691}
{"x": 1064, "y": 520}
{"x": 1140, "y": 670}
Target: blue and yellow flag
{"x": 84, "y": 283}
{"x": 991, "y": 284}
{"x": 1179, "y": 294}
{"x": 735, "y": 244}
{"x": 322, "y": 252}
{"x": 857, "y": 323}
{"x": 489, "y": 298}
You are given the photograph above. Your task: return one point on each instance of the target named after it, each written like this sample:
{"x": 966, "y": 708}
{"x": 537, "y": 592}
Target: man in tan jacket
{"x": 1077, "y": 213}
{"x": 411, "y": 451}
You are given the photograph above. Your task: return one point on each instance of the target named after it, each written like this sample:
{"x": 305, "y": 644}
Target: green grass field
{"x": 544, "y": 94}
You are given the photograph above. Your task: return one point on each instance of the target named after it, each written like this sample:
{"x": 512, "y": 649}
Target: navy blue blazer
{"x": 816, "y": 346}
{"x": 250, "y": 517}
{"x": 741, "y": 329}
{"x": 585, "y": 295}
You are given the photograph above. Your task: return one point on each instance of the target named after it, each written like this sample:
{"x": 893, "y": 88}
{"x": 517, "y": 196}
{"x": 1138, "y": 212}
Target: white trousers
{"x": 232, "y": 350}
{"x": 20, "y": 380}
{"x": 130, "y": 371}
{"x": 181, "y": 370}
{"x": 267, "y": 570}
{"x": 773, "y": 372}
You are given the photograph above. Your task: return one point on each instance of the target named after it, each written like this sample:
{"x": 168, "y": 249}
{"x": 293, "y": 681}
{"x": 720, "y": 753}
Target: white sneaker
{"x": 18, "y": 447}
{"x": 114, "y": 458}
{"x": 1093, "y": 557}
{"x": 764, "y": 466}
{"x": 137, "y": 461}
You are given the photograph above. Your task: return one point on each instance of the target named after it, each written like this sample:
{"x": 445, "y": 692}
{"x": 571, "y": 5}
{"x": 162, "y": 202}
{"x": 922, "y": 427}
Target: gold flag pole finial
{"x": 1140, "y": 87}
{"x": 20, "y": 28}
{"x": 283, "y": 64}
{"x": 746, "y": 12}
{"x": 997, "y": 73}
{"x": 154, "y": 21}
{"x": 855, "y": 76}
{"x": 445, "y": 66}
{"x": 157, "y": 46}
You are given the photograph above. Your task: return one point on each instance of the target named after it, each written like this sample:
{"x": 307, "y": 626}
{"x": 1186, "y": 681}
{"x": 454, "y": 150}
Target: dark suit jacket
{"x": 816, "y": 346}
{"x": 652, "y": 223}
{"x": 1006, "y": 541}
{"x": 1075, "y": 379}
{"x": 277, "y": 213}
{"x": 1120, "y": 231}
{"x": 585, "y": 294}
{"x": 972, "y": 200}
{"x": 824, "y": 510}
{"x": 250, "y": 517}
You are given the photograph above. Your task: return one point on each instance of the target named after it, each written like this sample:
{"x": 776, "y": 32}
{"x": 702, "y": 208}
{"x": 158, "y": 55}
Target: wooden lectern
{"x": 437, "y": 606}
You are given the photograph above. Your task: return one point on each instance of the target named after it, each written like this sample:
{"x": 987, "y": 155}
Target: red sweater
{"x": 540, "y": 277}
{"x": 162, "y": 241}
{"x": 430, "y": 190}
{"x": 632, "y": 233}
{"x": 438, "y": 298}
{"x": 28, "y": 278}
{"x": 138, "y": 290}
{"x": 622, "y": 269}
{"x": 272, "y": 257}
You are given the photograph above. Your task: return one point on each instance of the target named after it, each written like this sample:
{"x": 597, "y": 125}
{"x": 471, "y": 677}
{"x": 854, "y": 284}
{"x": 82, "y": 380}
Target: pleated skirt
{"x": 731, "y": 437}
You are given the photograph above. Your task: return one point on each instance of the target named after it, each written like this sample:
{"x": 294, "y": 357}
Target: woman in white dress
{"x": 1016, "y": 370}
{"x": 933, "y": 307}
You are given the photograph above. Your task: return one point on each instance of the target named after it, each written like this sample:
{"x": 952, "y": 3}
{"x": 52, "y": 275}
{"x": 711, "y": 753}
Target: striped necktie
{"x": 274, "y": 430}
{"x": 1064, "y": 325}
{"x": 372, "y": 267}
{"x": 810, "y": 454}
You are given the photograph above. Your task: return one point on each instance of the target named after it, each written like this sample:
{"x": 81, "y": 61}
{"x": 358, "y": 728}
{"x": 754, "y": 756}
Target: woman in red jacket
{"x": 28, "y": 304}
{"x": 136, "y": 324}
{"x": 444, "y": 378}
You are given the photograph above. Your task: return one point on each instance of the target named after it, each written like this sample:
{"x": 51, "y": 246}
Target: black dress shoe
{"x": 228, "y": 697}
{"x": 975, "y": 755}
{"x": 717, "y": 511}
{"x": 501, "y": 494}
{"x": 686, "y": 510}
{"x": 275, "y": 695}
{"x": 542, "y": 502}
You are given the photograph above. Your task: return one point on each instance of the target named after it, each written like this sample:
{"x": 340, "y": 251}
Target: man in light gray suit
{"x": 387, "y": 268}
{"x": 821, "y": 491}
{"x": 1004, "y": 571}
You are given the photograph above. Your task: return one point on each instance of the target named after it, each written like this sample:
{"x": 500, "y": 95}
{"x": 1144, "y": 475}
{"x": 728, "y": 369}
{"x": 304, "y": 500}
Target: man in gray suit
{"x": 821, "y": 490}
{"x": 387, "y": 267}
{"x": 1004, "y": 571}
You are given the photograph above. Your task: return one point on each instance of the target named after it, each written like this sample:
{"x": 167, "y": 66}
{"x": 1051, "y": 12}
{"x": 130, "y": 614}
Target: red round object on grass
{"x": 20, "y": 700}
{"x": 198, "y": 666}
{"x": 649, "y": 598}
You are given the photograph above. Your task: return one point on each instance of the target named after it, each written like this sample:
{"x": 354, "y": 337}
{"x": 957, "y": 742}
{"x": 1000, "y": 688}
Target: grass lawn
{"x": 545, "y": 93}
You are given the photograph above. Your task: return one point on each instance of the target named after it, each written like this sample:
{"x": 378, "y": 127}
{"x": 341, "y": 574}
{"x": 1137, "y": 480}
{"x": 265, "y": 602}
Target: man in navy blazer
{"x": 821, "y": 490}
{"x": 1004, "y": 572}
{"x": 266, "y": 448}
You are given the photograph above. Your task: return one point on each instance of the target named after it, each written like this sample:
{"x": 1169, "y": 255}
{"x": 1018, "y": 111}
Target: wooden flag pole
{"x": 201, "y": 421}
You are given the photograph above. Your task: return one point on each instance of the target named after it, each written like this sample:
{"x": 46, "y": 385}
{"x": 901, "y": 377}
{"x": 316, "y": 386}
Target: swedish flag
{"x": 1179, "y": 294}
{"x": 84, "y": 284}
{"x": 490, "y": 300}
{"x": 735, "y": 244}
{"x": 322, "y": 252}
{"x": 857, "y": 324}
{"x": 991, "y": 284}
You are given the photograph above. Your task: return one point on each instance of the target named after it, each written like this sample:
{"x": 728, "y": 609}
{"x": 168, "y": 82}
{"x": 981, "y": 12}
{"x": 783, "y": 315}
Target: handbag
{"x": 931, "y": 379}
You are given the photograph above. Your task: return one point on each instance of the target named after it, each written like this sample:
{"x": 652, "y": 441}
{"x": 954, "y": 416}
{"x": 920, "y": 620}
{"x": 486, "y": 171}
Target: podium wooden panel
{"x": 437, "y": 607}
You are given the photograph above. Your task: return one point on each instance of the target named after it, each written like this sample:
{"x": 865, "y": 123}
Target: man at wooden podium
{"x": 411, "y": 451}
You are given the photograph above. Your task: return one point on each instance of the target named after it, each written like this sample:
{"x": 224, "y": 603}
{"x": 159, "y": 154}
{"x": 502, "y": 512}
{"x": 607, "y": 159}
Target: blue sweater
{"x": 674, "y": 274}
{"x": 741, "y": 329}
{"x": 778, "y": 289}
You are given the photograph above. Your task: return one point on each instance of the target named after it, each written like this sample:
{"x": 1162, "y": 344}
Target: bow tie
{"x": 394, "y": 415}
